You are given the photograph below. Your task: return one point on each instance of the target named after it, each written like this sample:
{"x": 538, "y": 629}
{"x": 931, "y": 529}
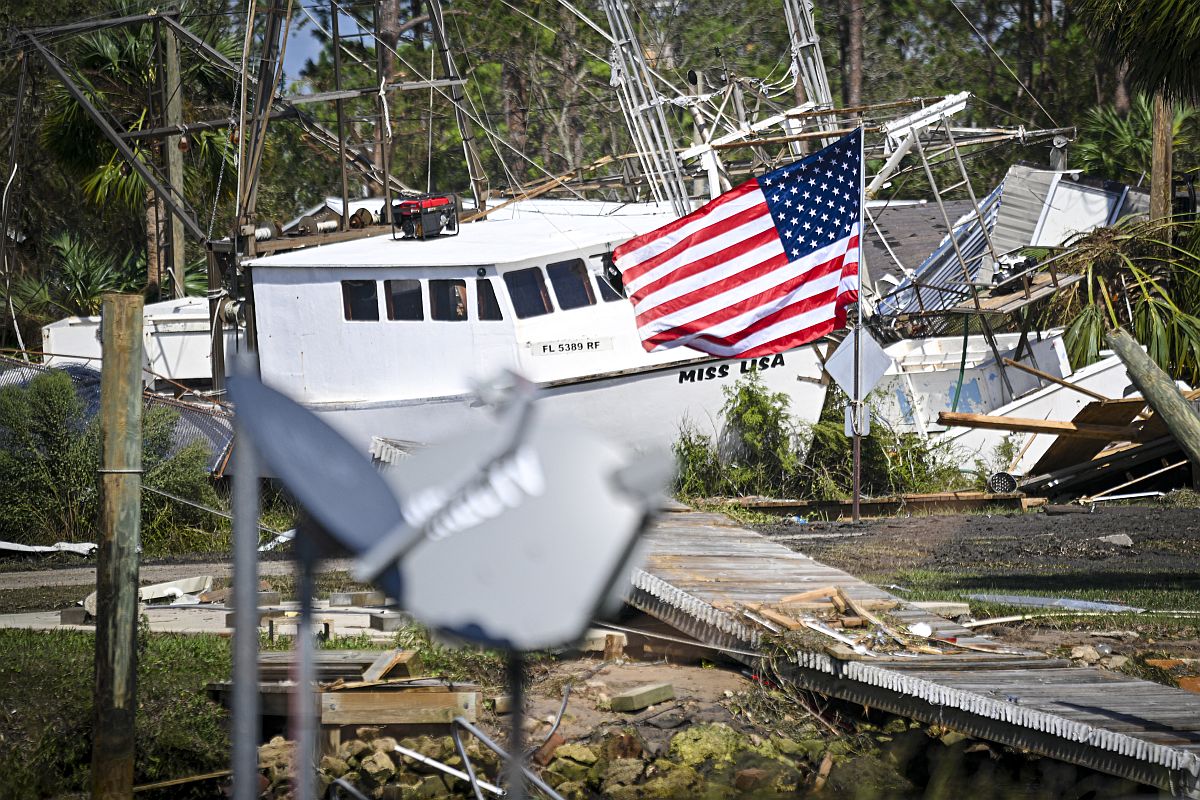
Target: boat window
{"x": 359, "y": 300}
{"x": 571, "y": 284}
{"x": 606, "y": 290}
{"x": 403, "y": 299}
{"x": 527, "y": 288}
{"x": 487, "y": 306}
{"x": 448, "y": 300}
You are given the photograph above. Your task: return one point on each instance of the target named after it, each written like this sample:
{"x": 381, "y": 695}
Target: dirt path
{"x": 153, "y": 573}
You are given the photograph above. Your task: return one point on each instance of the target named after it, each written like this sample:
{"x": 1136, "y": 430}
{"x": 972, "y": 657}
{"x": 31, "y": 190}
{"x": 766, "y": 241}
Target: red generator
{"x": 425, "y": 217}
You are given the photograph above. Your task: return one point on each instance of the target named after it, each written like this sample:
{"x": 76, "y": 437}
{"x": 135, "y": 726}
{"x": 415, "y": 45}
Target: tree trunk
{"x": 389, "y": 21}
{"x": 1161, "y": 191}
{"x": 1161, "y": 394}
{"x": 1121, "y": 92}
{"x": 855, "y": 46}
{"x": 514, "y": 90}
{"x": 154, "y": 236}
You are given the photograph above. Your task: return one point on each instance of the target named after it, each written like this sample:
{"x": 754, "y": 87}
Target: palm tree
{"x": 117, "y": 69}
{"x": 1140, "y": 274}
{"x": 1117, "y": 145}
{"x": 1160, "y": 40}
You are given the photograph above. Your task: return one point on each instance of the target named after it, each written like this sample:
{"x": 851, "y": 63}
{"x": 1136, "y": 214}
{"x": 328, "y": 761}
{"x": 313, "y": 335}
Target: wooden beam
{"x": 1108, "y": 433}
{"x": 1052, "y": 379}
{"x": 397, "y": 707}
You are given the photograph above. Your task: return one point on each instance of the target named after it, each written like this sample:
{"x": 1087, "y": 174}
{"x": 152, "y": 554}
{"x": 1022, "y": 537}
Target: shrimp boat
{"x": 385, "y": 338}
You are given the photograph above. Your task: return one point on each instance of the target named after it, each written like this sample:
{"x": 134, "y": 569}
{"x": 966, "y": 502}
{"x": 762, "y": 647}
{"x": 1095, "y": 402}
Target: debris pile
{"x": 851, "y": 627}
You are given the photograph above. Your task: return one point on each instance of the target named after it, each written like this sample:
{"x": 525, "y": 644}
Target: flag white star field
{"x": 769, "y": 265}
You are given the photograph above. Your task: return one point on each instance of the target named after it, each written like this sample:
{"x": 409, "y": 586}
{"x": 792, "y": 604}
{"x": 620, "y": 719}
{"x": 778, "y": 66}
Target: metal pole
{"x": 116, "y": 563}
{"x": 384, "y": 137}
{"x": 479, "y": 184}
{"x": 246, "y": 718}
{"x": 337, "y": 105}
{"x": 516, "y": 744}
{"x": 987, "y": 329}
{"x": 856, "y": 405}
{"x": 305, "y": 713}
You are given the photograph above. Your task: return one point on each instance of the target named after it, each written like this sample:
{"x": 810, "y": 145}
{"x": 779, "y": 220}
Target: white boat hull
{"x": 640, "y": 410}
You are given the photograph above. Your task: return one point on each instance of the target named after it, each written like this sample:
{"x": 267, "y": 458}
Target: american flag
{"x": 769, "y": 265}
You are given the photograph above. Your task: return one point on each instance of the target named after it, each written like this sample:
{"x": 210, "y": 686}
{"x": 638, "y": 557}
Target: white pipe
{"x": 429, "y": 762}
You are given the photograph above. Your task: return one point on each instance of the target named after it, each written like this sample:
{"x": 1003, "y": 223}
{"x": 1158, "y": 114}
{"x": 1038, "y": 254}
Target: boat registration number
{"x": 570, "y": 346}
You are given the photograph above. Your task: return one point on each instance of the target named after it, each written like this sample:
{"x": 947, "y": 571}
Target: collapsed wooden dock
{"x": 704, "y": 573}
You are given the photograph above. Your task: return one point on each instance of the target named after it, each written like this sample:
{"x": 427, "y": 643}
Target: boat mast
{"x": 479, "y": 182}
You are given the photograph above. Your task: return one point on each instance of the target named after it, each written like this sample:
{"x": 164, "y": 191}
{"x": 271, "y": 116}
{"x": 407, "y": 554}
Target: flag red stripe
{"x": 716, "y": 259}
{"x": 795, "y": 339}
{"x": 717, "y": 228}
{"x": 805, "y": 305}
{"x": 671, "y": 227}
{"x": 731, "y": 281}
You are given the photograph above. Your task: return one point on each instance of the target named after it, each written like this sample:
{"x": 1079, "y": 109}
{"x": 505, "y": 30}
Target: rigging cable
{"x": 1000, "y": 58}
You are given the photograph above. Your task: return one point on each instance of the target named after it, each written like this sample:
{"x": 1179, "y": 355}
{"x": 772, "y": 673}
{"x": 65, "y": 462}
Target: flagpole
{"x": 856, "y": 401}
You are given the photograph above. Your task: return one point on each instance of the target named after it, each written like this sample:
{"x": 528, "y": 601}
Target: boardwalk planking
{"x": 703, "y": 570}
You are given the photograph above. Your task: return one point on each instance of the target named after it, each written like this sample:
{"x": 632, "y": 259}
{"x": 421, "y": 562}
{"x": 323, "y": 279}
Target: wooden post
{"x": 116, "y": 564}
{"x": 173, "y": 107}
{"x": 1161, "y": 394}
{"x": 1161, "y": 191}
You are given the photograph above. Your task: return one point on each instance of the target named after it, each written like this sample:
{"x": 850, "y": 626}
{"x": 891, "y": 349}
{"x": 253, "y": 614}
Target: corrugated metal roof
{"x": 1024, "y": 199}
{"x": 938, "y": 282}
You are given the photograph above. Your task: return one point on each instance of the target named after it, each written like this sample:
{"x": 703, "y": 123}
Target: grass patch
{"x": 1182, "y": 594}
{"x": 46, "y": 689}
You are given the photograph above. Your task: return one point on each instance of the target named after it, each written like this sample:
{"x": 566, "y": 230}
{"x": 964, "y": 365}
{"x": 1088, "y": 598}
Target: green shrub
{"x": 49, "y": 485}
{"x": 761, "y": 451}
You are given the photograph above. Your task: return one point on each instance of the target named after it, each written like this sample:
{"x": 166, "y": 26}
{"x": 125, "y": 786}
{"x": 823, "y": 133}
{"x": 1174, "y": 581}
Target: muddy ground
{"x": 1020, "y": 548}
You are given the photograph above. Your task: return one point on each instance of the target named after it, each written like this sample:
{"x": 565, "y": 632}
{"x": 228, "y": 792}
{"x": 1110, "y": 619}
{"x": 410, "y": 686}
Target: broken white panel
{"x": 169, "y": 590}
{"x": 932, "y": 114}
{"x": 1072, "y": 209}
{"x": 78, "y": 548}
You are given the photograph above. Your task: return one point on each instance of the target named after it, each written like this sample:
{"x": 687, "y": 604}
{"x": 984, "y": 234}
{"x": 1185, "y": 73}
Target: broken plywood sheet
{"x": 1067, "y": 451}
{"x": 169, "y": 590}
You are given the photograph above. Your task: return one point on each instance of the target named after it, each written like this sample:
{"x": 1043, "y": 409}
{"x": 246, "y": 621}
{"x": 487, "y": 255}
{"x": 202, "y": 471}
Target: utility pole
{"x": 116, "y": 563}
{"x": 173, "y": 106}
{"x": 1161, "y": 191}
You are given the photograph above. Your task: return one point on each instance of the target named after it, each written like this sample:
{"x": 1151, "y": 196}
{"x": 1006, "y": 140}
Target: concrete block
{"x": 594, "y": 639}
{"x": 75, "y": 615}
{"x": 263, "y": 616}
{"x": 389, "y": 621}
{"x": 367, "y": 598}
{"x": 643, "y": 697}
{"x": 269, "y": 599}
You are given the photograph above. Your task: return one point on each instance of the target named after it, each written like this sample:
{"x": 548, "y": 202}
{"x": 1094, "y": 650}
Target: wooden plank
{"x": 812, "y": 595}
{"x": 397, "y": 707}
{"x": 393, "y": 664}
{"x": 1106, "y": 433}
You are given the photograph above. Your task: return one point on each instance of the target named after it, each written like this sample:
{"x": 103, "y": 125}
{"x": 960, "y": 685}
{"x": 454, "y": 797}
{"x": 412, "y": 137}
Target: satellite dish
{"x": 336, "y": 484}
{"x": 515, "y": 536}
{"x": 537, "y": 568}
